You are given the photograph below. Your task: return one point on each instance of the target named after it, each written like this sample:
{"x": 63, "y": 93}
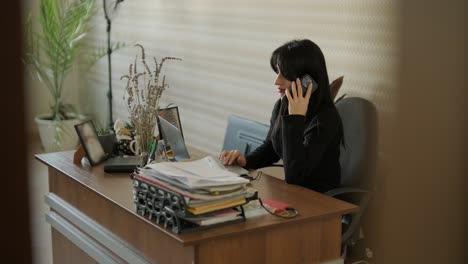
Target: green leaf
{"x": 52, "y": 51}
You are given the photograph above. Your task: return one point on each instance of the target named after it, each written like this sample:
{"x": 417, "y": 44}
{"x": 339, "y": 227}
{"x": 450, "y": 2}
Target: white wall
{"x": 226, "y": 46}
{"x": 37, "y": 96}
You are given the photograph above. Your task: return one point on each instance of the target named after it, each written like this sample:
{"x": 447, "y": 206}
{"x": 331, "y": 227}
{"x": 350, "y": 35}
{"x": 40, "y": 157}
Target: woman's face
{"x": 282, "y": 83}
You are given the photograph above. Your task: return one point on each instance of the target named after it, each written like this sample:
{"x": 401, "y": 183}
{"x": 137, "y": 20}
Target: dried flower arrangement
{"x": 144, "y": 89}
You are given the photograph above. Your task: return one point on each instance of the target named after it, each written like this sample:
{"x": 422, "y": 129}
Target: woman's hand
{"x": 297, "y": 103}
{"x": 228, "y": 157}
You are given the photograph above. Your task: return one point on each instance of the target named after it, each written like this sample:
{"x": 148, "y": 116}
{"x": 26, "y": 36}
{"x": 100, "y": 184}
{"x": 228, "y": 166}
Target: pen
{"x": 152, "y": 148}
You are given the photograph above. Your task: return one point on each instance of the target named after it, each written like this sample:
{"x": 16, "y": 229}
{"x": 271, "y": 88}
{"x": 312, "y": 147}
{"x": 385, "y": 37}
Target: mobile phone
{"x": 305, "y": 81}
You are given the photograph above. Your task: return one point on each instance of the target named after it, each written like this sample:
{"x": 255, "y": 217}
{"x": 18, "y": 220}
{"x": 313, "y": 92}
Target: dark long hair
{"x": 294, "y": 59}
{"x": 299, "y": 57}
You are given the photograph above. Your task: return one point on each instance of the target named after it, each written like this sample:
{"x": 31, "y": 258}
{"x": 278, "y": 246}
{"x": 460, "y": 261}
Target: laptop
{"x": 174, "y": 139}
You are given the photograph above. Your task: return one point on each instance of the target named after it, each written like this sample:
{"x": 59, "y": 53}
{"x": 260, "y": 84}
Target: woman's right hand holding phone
{"x": 229, "y": 157}
{"x": 298, "y": 102}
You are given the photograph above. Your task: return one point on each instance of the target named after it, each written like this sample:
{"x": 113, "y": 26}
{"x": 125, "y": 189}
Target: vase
{"x": 57, "y": 137}
{"x": 143, "y": 159}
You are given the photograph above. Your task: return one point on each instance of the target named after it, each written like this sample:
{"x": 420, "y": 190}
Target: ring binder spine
{"x": 166, "y": 207}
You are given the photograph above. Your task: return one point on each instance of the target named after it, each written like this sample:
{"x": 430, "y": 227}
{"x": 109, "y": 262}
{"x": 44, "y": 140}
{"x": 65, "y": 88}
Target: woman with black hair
{"x": 306, "y": 129}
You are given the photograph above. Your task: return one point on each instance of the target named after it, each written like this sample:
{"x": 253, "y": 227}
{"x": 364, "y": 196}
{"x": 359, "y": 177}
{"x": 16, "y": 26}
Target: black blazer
{"x": 310, "y": 149}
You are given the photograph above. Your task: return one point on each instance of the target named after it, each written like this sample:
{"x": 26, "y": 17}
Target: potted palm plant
{"x": 51, "y": 53}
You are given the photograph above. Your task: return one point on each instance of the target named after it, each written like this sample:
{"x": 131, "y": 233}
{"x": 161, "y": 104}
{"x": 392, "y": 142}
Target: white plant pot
{"x": 57, "y": 138}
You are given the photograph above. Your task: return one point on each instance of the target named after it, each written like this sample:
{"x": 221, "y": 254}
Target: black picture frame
{"x": 89, "y": 140}
{"x": 171, "y": 114}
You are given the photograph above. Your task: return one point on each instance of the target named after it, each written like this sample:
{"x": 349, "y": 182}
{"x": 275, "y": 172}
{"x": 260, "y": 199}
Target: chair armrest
{"x": 343, "y": 190}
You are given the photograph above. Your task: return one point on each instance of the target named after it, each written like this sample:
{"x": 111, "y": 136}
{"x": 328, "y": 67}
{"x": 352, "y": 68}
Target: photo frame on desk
{"x": 90, "y": 142}
{"x": 171, "y": 114}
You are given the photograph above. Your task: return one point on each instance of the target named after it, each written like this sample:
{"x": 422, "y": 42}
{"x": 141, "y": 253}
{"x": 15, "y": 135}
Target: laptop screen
{"x": 173, "y": 138}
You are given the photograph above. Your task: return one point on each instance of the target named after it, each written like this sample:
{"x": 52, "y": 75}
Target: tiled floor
{"x": 38, "y": 183}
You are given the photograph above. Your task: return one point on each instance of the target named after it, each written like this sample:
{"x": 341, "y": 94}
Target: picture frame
{"x": 171, "y": 114}
{"x": 89, "y": 140}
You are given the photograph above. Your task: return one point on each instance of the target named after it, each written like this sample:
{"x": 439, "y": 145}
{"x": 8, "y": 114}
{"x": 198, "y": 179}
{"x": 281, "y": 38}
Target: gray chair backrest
{"x": 244, "y": 134}
{"x": 357, "y": 157}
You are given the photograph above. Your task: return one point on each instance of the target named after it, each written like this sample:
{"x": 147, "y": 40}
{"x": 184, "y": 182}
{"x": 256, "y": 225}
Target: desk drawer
{"x": 89, "y": 236}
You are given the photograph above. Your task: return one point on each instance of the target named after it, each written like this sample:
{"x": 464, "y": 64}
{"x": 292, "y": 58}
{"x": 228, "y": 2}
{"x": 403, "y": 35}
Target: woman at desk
{"x": 305, "y": 127}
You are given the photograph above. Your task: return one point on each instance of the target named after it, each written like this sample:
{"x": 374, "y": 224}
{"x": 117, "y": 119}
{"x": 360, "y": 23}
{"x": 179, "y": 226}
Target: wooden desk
{"x": 98, "y": 206}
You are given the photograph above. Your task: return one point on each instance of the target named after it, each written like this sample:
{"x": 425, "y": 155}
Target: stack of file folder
{"x": 197, "y": 193}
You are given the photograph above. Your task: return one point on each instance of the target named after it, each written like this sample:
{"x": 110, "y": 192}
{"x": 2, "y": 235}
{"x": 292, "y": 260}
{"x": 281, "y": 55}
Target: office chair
{"x": 357, "y": 160}
{"x": 244, "y": 134}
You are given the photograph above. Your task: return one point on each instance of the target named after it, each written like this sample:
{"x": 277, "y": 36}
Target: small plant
{"x": 104, "y": 131}
{"x": 144, "y": 89}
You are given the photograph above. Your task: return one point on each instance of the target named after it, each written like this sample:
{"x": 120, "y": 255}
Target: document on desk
{"x": 214, "y": 162}
{"x": 194, "y": 198}
{"x": 193, "y": 174}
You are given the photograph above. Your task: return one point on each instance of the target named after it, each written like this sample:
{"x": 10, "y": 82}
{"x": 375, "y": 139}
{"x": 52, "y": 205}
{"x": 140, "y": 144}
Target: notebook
{"x": 232, "y": 168}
